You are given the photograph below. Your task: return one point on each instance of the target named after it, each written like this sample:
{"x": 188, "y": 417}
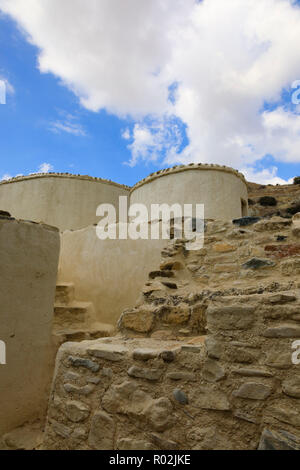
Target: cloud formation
{"x": 45, "y": 168}
{"x": 211, "y": 65}
{"x": 68, "y": 126}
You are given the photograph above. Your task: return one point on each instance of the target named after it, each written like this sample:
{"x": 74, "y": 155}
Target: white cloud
{"x": 6, "y": 177}
{"x": 153, "y": 138}
{"x": 45, "y": 168}
{"x": 227, "y": 58}
{"x": 126, "y": 134}
{"x": 265, "y": 176}
{"x": 67, "y": 126}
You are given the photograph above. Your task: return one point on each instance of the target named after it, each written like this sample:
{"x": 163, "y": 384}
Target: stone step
{"x": 64, "y": 293}
{"x": 95, "y": 331}
{"x": 268, "y": 298}
{"x": 75, "y": 312}
{"x": 164, "y": 274}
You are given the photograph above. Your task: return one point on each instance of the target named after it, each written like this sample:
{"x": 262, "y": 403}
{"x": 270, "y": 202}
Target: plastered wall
{"x": 108, "y": 273}
{"x": 221, "y": 190}
{"x": 28, "y": 269}
{"x": 67, "y": 202}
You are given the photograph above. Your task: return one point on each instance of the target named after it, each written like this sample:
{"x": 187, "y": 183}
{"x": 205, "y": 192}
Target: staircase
{"x": 73, "y": 320}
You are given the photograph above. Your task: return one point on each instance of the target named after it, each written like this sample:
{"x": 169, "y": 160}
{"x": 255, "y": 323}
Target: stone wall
{"x": 28, "y": 269}
{"x": 205, "y": 357}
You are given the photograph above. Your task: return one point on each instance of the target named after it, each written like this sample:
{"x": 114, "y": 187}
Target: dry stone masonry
{"x": 203, "y": 361}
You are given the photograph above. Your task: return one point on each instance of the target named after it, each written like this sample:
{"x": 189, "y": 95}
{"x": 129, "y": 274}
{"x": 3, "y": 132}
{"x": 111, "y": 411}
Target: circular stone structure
{"x": 222, "y": 190}
{"x": 66, "y": 201}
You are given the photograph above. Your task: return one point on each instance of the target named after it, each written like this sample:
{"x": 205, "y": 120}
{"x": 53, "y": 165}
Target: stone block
{"x": 85, "y": 363}
{"x": 278, "y": 440}
{"x": 291, "y": 387}
{"x": 101, "y": 436}
{"x": 139, "y": 320}
{"x": 108, "y": 352}
{"x": 212, "y": 371}
{"x": 143, "y": 373}
{"x": 253, "y": 391}
{"x": 288, "y": 330}
{"x": 76, "y": 411}
{"x": 230, "y": 317}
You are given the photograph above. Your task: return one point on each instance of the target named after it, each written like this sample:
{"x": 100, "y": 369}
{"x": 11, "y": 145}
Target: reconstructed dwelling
{"x": 159, "y": 347}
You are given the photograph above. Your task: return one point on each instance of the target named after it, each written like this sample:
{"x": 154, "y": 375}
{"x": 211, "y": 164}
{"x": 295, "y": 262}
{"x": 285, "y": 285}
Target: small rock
{"x": 60, "y": 429}
{"x": 278, "y": 440}
{"x": 223, "y": 248}
{"x": 281, "y": 238}
{"x": 212, "y": 371}
{"x": 71, "y": 376}
{"x": 283, "y": 331}
{"x": 148, "y": 374}
{"x": 86, "y": 390}
{"x": 282, "y": 298}
{"x": 214, "y": 348}
{"x": 253, "y": 391}
{"x": 140, "y": 320}
{"x": 185, "y": 376}
{"x": 159, "y": 414}
{"x": 93, "y": 380}
{"x": 252, "y": 372}
{"x": 257, "y": 263}
{"x": 168, "y": 356}
{"x": 144, "y": 354}
{"x": 180, "y": 396}
{"x": 102, "y": 431}
{"x": 77, "y": 411}
{"x": 291, "y": 387}
{"x": 86, "y": 363}
{"x": 245, "y": 221}
{"x": 109, "y": 352}
{"x": 191, "y": 348}
{"x": 107, "y": 372}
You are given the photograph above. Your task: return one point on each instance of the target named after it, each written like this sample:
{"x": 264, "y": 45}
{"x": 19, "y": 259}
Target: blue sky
{"x": 26, "y": 138}
{"x": 121, "y": 111}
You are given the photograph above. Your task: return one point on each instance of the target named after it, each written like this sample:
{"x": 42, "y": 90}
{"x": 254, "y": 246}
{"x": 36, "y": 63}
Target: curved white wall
{"x": 66, "y": 202}
{"x": 109, "y": 273}
{"x": 221, "y": 190}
